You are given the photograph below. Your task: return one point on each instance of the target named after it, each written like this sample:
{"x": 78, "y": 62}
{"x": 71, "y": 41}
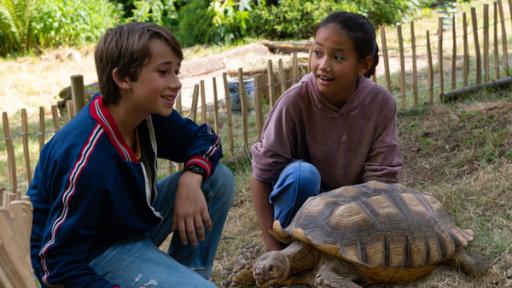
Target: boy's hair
{"x": 126, "y": 47}
{"x": 360, "y": 30}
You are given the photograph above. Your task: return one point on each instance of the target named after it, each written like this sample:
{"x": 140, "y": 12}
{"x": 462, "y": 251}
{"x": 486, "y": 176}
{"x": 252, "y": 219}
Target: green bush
{"x": 72, "y": 22}
{"x": 15, "y": 19}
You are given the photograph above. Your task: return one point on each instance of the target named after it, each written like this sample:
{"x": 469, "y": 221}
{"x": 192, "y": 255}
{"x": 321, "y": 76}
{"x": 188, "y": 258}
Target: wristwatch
{"x": 196, "y": 169}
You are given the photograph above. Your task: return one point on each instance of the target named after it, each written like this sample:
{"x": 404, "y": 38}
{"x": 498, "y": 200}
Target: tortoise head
{"x": 270, "y": 268}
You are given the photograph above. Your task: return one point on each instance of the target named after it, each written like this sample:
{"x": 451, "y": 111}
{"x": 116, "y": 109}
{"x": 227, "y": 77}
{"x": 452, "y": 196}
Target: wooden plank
{"x": 11, "y": 160}
{"x": 440, "y": 54}
{"x": 503, "y": 37}
{"x": 193, "y": 108}
{"x": 282, "y": 77}
{"x": 430, "y": 70}
{"x": 243, "y": 104}
{"x": 229, "y": 114}
{"x": 414, "y": 67}
{"x": 454, "y": 54}
{"x": 496, "y": 50}
{"x": 203, "y": 101}
{"x": 270, "y": 77}
{"x": 503, "y": 83}
{"x": 56, "y": 119}
{"x": 215, "y": 106}
{"x": 465, "y": 64}
{"x": 486, "y": 43}
{"x": 478, "y": 67}
{"x": 403, "y": 100}
{"x": 15, "y": 224}
{"x": 42, "y": 131}
{"x": 77, "y": 93}
{"x": 386, "y": 56}
{"x": 26, "y": 152}
{"x": 258, "y": 81}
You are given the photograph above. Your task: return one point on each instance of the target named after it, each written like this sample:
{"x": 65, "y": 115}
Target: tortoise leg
{"x": 333, "y": 273}
{"x": 470, "y": 263}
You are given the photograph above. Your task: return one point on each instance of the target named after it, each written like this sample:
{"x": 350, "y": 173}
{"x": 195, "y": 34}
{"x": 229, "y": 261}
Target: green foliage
{"x": 162, "y": 12}
{"x": 195, "y": 23}
{"x": 15, "y": 19}
{"x": 72, "y": 22}
{"x": 293, "y": 18}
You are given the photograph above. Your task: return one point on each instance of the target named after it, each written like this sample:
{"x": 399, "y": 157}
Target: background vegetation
{"x": 31, "y": 25}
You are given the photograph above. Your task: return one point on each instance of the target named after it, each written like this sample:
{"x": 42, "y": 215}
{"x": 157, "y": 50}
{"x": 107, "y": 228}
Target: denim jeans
{"x": 297, "y": 182}
{"x": 137, "y": 261}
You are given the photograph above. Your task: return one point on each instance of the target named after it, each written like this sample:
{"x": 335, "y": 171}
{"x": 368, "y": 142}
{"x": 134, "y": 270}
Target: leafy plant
{"x": 15, "y": 20}
{"x": 72, "y": 22}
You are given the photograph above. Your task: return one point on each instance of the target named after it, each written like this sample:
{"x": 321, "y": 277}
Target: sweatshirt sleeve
{"x": 71, "y": 228}
{"x": 384, "y": 161}
{"x": 278, "y": 139}
{"x": 182, "y": 140}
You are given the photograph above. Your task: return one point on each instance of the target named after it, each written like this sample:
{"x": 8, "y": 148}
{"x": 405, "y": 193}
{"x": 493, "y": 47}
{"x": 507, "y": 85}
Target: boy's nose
{"x": 175, "y": 83}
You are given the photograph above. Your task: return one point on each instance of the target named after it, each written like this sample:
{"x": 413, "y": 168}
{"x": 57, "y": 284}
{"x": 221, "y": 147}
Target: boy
{"x": 99, "y": 213}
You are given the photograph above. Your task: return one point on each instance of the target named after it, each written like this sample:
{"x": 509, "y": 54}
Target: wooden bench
{"x": 15, "y": 226}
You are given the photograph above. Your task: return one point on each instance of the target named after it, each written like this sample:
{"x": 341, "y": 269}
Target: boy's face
{"x": 157, "y": 86}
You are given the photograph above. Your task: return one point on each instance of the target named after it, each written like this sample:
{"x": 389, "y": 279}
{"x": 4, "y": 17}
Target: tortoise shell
{"x": 400, "y": 231}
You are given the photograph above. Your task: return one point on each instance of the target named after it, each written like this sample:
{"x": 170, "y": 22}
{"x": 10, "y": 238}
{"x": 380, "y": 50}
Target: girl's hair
{"x": 126, "y": 47}
{"x": 362, "y": 33}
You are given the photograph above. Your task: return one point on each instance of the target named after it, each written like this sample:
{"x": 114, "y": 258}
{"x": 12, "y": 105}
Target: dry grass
{"x": 460, "y": 153}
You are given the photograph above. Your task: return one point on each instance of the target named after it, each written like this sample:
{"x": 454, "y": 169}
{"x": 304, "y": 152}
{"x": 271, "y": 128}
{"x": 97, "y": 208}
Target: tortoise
{"x": 366, "y": 234}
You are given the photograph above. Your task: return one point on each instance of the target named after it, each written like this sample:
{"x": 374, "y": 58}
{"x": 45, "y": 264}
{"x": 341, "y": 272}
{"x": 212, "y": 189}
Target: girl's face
{"x": 158, "y": 85}
{"x": 335, "y": 64}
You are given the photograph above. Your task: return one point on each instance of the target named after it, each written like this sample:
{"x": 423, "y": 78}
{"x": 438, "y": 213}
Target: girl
{"x": 333, "y": 128}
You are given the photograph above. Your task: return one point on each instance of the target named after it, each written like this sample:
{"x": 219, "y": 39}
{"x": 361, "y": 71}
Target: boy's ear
{"x": 122, "y": 82}
{"x": 365, "y": 64}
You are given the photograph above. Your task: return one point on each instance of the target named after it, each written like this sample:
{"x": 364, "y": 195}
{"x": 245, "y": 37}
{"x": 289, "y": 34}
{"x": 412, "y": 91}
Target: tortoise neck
{"x": 301, "y": 256}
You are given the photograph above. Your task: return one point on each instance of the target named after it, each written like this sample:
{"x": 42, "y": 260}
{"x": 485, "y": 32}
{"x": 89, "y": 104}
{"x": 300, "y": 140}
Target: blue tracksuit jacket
{"x": 90, "y": 191}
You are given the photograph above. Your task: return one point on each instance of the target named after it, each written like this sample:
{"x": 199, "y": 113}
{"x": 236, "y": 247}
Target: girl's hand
{"x": 190, "y": 210}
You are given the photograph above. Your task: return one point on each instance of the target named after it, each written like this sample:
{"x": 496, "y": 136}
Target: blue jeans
{"x": 137, "y": 261}
{"x": 297, "y": 182}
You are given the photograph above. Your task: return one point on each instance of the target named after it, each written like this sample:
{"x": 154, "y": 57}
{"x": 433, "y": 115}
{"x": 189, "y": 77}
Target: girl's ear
{"x": 122, "y": 82}
{"x": 365, "y": 64}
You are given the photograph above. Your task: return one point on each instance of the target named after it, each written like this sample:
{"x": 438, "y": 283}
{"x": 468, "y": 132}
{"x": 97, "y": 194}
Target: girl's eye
{"x": 338, "y": 57}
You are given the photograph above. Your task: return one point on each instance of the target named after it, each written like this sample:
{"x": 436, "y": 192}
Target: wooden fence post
{"x": 243, "y": 104}
{"x": 227, "y": 98}
{"x": 465, "y": 64}
{"x": 454, "y": 54}
{"x": 77, "y": 92}
{"x": 282, "y": 76}
{"x": 486, "y": 43}
{"x": 386, "y": 56}
{"x": 55, "y": 116}
{"x": 503, "y": 36}
{"x": 402, "y": 68}
{"x": 478, "y": 67}
{"x": 193, "y": 108}
{"x": 414, "y": 67}
{"x": 26, "y": 151}
{"x": 42, "y": 131}
{"x": 215, "y": 106}
{"x": 496, "y": 50}
{"x": 270, "y": 75}
{"x": 203, "y": 102}
{"x": 440, "y": 54}
{"x": 430, "y": 70}
{"x": 11, "y": 158}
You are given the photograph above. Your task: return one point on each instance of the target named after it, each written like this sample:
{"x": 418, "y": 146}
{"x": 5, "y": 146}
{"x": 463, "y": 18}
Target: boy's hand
{"x": 190, "y": 209}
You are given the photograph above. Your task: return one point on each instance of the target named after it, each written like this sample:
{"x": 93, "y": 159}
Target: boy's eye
{"x": 162, "y": 72}
{"x": 317, "y": 52}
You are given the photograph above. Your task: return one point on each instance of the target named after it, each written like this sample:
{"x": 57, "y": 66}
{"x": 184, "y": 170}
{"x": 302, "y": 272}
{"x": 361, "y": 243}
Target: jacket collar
{"x": 99, "y": 111}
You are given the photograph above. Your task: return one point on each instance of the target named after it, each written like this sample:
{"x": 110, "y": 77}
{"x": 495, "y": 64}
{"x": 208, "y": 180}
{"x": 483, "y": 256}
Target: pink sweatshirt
{"x": 351, "y": 145}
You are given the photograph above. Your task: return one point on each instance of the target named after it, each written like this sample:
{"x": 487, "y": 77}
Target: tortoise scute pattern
{"x": 379, "y": 225}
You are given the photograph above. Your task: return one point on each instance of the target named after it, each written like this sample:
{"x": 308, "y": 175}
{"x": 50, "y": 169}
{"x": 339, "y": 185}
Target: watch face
{"x": 196, "y": 169}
